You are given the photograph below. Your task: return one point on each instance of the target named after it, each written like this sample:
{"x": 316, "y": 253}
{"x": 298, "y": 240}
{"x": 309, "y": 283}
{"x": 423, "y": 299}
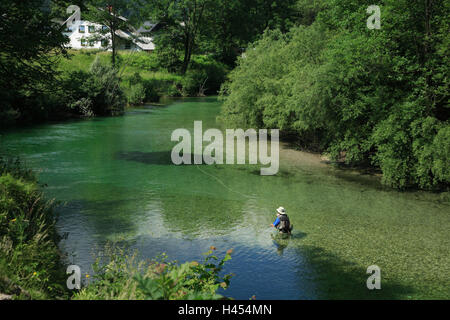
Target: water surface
{"x": 118, "y": 183}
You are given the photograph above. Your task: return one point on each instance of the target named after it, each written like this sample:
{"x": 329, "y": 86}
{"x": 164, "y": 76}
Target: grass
{"x": 142, "y": 79}
{"x": 152, "y": 84}
{"x": 129, "y": 63}
{"x": 30, "y": 262}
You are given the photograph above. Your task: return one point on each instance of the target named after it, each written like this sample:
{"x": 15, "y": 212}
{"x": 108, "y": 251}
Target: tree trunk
{"x": 186, "y": 53}
{"x": 113, "y": 47}
{"x": 189, "y": 43}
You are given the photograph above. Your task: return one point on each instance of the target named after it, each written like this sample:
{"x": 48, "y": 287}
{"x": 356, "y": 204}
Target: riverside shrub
{"x": 118, "y": 274}
{"x": 367, "y": 97}
{"x": 30, "y": 261}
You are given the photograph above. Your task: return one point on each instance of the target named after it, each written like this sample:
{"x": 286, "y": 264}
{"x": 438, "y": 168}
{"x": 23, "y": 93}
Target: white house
{"x": 84, "y": 35}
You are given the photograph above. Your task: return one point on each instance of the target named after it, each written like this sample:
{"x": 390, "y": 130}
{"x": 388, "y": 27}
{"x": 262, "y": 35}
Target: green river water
{"x": 117, "y": 180}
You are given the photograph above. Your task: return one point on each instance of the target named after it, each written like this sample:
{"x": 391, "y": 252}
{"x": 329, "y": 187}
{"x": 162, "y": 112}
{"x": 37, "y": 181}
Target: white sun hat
{"x": 281, "y": 210}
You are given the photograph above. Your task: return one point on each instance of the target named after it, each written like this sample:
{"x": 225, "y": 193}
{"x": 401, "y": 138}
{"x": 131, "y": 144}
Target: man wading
{"x": 282, "y": 222}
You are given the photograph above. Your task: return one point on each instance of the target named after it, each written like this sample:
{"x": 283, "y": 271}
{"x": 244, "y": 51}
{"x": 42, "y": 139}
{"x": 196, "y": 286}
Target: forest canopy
{"x": 370, "y": 97}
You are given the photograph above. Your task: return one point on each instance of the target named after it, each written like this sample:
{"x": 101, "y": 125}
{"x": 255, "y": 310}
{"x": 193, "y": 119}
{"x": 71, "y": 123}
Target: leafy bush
{"x": 441, "y": 154}
{"x": 83, "y": 106}
{"x": 193, "y": 82}
{"x": 159, "y": 87}
{"x": 207, "y": 74}
{"x": 142, "y": 90}
{"x": 136, "y": 94}
{"x": 151, "y": 90}
{"x": 167, "y": 58}
{"x": 118, "y": 275}
{"x": 104, "y": 90}
{"x": 96, "y": 92}
{"x": 188, "y": 281}
{"x": 144, "y": 61}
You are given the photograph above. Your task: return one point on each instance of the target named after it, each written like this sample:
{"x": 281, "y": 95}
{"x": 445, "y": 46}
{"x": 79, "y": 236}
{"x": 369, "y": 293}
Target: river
{"x": 118, "y": 183}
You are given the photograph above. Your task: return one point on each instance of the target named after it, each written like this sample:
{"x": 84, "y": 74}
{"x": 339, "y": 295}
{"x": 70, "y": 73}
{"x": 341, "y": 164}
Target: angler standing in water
{"x": 282, "y": 222}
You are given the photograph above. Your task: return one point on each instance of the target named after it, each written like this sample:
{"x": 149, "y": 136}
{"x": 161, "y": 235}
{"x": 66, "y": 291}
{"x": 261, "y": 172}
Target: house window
{"x": 83, "y": 42}
{"x": 81, "y": 29}
{"x": 68, "y": 30}
{"x": 105, "y": 42}
{"x": 91, "y": 29}
{"x": 104, "y": 28}
{"x": 91, "y": 43}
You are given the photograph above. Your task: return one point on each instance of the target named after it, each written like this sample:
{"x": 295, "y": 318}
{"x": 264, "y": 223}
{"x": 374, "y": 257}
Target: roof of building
{"x": 147, "y": 26}
{"x": 146, "y": 43}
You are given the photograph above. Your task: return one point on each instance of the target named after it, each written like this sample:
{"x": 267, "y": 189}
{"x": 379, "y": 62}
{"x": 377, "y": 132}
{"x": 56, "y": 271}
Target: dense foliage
{"x": 31, "y": 87}
{"x": 30, "y": 45}
{"x": 119, "y": 275}
{"x": 370, "y": 97}
{"x": 96, "y": 92}
{"x": 221, "y": 28}
{"x": 30, "y": 262}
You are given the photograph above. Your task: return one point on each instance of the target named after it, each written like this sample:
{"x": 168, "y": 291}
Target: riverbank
{"x": 87, "y": 85}
{"x": 31, "y": 264}
{"x": 143, "y": 79}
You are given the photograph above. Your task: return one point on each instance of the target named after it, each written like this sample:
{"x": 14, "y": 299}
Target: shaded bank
{"x": 31, "y": 264}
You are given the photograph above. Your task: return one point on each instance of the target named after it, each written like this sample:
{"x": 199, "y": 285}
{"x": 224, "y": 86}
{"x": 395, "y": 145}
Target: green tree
{"x": 59, "y": 8}
{"x": 30, "y": 46}
{"x": 367, "y": 97}
{"x": 96, "y": 92}
{"x": 233, "y": 24}
{"x": 109, "y": 14}
{"x": 183, "y": 20}
{"x": 222, "y": 28}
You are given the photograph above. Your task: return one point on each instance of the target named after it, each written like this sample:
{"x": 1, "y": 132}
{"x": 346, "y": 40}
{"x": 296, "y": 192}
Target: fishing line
{"x": 223, "y": 184}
